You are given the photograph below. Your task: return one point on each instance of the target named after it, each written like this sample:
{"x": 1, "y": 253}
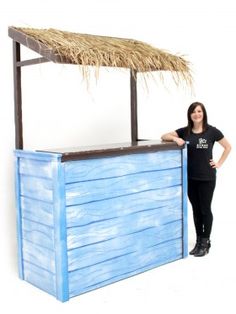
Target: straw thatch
{"x": 91, "y": 50}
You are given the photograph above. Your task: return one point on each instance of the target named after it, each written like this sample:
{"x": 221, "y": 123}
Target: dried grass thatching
{"x": 91, "y": 50}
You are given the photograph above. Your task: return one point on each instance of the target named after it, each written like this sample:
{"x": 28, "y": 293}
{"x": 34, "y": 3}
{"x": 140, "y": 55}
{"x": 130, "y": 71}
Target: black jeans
{"x": 200, "y": 194}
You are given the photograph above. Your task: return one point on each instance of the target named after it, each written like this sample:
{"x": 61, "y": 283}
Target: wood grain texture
{"x": 39, "y": 277}
{"x": 34, "y": 172}
{"x": 123, "y": 266}
{"x": 185, "y": 202}
{"x": 37, "y": 210}
{"x": 167, "y": 200}
{"x": 38, "y": 233}
{"x": 88, "y": 223}
{"x": 92, "y": 169}
{"x": 124, "y": 216}
{"x": 121, "y": 225}
{"x": 95, "y": 190}
{"x": 36, "y": 168}
{"x": 138, "y": 241}
{"x": 39, "y": 255}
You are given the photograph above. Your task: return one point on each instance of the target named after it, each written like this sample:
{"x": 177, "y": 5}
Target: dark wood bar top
{"x": 116, "y": 149}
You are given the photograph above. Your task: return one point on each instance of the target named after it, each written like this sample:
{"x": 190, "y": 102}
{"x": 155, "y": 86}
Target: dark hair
{"x": 191, "y": 110}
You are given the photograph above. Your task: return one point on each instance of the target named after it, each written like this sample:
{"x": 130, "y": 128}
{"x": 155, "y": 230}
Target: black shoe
{"x": 196, "y": 247}
{"x": 203, "y": 248}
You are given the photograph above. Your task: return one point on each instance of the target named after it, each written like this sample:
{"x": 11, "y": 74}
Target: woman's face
{"x": 197, "y": 115}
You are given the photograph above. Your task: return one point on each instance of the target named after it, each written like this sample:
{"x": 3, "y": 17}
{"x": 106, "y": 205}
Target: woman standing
{"x": 201, "y": 170}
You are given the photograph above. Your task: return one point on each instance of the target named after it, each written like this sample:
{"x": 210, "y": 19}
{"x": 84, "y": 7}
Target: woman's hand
{"x": 227, "y": 148}
{"x": 214, "y": 164}
{"x": 173, "y": 137}
{"x": 179, "y": 141}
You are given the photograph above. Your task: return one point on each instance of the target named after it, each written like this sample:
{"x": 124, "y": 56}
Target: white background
{"x": 60, "y": 111}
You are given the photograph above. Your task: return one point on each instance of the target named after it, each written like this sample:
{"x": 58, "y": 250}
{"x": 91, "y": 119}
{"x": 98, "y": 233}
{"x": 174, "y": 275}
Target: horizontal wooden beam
{"x": 32, "y": 62}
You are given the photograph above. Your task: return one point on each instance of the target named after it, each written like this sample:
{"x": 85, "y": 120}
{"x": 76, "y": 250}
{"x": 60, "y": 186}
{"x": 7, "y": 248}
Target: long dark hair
{"x": 191, "y": 110}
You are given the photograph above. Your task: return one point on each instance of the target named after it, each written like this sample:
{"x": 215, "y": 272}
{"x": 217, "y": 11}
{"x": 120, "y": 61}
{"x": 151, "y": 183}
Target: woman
{"x": 201, "y": 170}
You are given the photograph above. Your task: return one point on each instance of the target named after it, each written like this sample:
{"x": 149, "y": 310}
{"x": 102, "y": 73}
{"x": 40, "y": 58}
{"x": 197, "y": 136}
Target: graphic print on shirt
{"x": 202, "y": 143}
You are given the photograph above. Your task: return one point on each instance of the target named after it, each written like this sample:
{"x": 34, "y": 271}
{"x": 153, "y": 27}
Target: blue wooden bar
{"x": 93, "y": 216}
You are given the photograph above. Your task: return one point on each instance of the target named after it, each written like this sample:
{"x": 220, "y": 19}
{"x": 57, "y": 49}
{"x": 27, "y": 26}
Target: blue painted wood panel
{"x": 39, "y": 277}
{"x": 124, "y": 266}
{"x": 35, "y": 168}
{"x": 114, "y": 227}
{"x": 168, "y": 199}
{"x": 101, "y": 251}
{"x": 39, "y": 255}
{"x": 37, "y": 210}
{"x": 37, "y": 230}
{"x": 92, "y": 169}
{"x": 36, "y": 188}
{"x": 87, "y": 223}
{"x": 95, "y": 190}
{"x": 38, "y": 233}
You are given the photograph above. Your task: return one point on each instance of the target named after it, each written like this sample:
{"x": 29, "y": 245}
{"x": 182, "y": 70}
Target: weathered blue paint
{"x": 19, "y": 219}
{"x": 87, "y": 223}
{"x": 185, "y": 202}
{"x": 60, "y": 231}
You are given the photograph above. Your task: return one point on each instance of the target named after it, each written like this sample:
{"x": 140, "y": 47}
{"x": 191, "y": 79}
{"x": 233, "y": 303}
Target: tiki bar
{"x": 91, "y": 216}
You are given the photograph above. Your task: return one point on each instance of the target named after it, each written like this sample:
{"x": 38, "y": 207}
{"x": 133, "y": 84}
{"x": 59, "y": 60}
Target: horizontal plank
{"x": 92, "y": 169}
{"x": 169, "y": 201}
{"x": 135, "y": 242}
{"x": 37, "y": 210}
{"x": 36, "y": 188}
{"x": 38, "y": 234}
{"x": 91, "y": 191}
{"x": 40, "y": 278}
{"x": 39, "y": 256}
{"x": 35, "y": 168}
{"x": 95, "y": 276}
{"x": 112, "y": 228}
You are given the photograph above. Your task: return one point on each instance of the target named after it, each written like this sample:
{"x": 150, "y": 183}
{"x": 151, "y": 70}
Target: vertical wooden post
{"x": 133, "y": 103}
{"x": 17, "y": 96}
{"x": 19, "y": 217}
{"x": 184, "y": 201}
{"x": 60, "y": 236}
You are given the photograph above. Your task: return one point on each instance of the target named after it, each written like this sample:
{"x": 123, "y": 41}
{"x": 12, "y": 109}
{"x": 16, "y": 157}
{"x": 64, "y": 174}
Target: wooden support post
{"x": 133, "y": 100}
{"x": 17, "y": 96}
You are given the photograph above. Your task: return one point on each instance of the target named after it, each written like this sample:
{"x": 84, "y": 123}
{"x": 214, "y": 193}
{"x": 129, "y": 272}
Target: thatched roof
{"x": 90, "y": 50}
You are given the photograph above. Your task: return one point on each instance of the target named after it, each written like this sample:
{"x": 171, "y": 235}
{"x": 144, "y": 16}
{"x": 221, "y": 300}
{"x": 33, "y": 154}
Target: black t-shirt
{"x": 200, "y": 152}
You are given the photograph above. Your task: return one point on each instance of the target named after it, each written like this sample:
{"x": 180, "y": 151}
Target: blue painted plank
{"x": 121, "y": 267}
{"x": 92, "y": 169}
{"x": 38, "y": 233}
{"x": 122, "y": 245}
{"x": 90, "y": 191}
{"x": 37, "y": 155}
{"x": 60, "y": 236}
{"x": 169, "y": 199}
{"x": 36, "y": 168}
{"x": 110, "y": 228}
{"x": 40, "y": 278}
{"x": 18, "y": 217}
{"x": 36, "y": 188}
{"x": 37, "y": 210}
{"x": 185, "y": 202}
{"x": 39, "y": 256}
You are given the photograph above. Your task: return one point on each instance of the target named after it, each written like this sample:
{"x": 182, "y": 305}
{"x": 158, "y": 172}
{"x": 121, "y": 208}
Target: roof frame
{"x": 47, "y": 54}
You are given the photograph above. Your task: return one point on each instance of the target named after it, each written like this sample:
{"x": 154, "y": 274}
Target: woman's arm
{"x": 227, "y": 148}
{"x": 173, "y": 137}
